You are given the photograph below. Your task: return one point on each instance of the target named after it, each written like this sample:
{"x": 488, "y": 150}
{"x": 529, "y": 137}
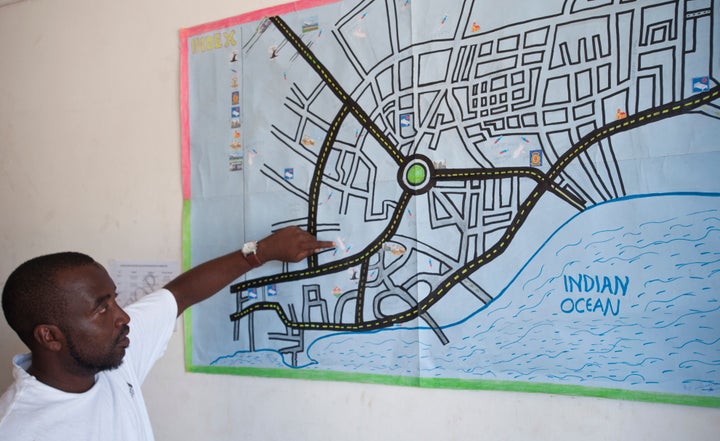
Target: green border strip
{"x": 450, "y": 383}
{"x": 186, "y": 265}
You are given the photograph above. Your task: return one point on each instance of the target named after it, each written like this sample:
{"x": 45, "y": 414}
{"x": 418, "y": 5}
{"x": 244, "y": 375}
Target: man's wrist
{"x": 249, "y": 251}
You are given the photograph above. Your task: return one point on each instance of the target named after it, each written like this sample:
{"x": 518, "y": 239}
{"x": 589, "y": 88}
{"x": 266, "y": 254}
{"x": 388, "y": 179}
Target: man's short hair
{"x": 31, "y": 294}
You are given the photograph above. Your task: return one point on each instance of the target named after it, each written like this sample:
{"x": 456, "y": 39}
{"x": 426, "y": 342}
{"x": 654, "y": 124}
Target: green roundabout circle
{"x": 416, "y": 174}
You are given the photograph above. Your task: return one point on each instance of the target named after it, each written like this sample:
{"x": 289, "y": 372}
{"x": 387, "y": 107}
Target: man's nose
{"x": 122, "y": 318}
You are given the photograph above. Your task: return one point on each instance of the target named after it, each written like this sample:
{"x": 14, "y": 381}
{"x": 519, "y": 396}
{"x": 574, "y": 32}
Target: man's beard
{"x": 98, "y": 364}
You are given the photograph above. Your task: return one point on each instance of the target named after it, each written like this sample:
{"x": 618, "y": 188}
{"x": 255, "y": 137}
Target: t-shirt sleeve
{"x": 152, "y": 321}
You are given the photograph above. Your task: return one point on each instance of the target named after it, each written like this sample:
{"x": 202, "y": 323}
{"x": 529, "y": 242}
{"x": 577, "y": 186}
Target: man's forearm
{"x": 204, "y": 280}
{"x": 289, "y": 244}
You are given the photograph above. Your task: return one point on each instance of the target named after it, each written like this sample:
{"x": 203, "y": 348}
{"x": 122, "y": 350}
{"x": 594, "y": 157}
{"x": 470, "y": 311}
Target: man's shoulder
{"x": 32, "y": 410}
{"x": 17, "y": 411}
{"x": 11, "y": 398}
{"x": 7, "y": 400}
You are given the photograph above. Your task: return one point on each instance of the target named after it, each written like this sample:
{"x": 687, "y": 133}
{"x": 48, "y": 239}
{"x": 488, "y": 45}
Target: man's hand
{"x": 290, "y": 244}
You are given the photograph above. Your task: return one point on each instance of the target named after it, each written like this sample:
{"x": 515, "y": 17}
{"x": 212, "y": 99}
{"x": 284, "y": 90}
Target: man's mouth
{"x": 123, "y": 340}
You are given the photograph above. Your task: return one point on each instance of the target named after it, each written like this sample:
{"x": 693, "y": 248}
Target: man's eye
{"x": 103, "y": 309}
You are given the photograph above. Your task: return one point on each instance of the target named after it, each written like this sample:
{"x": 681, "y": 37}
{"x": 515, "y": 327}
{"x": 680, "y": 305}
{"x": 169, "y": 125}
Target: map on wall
{"x": 522, "y": 196}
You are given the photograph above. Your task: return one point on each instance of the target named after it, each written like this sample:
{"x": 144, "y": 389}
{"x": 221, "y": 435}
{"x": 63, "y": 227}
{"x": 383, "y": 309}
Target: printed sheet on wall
{"x": 522, "y": 198}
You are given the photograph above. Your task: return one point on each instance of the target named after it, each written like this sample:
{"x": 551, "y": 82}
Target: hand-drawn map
{"x": 523, "y": 195}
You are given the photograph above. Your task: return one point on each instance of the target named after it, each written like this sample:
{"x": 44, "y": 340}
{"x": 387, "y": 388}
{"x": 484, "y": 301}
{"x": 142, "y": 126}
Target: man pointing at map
{"x": 88, "y": 357}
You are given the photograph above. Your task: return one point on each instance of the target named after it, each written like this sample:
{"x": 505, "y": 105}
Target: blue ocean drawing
{"x": 624, "y": 295}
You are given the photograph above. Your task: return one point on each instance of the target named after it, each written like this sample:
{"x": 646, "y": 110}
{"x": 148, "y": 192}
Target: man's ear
{"x": 49, "y": 337}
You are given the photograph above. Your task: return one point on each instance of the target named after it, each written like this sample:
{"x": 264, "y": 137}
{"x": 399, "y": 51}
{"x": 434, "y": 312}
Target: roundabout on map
{"x": 416, "y": 174}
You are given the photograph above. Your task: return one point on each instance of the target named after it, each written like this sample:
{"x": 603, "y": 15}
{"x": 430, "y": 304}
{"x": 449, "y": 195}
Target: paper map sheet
{"x": 522, "y": 197}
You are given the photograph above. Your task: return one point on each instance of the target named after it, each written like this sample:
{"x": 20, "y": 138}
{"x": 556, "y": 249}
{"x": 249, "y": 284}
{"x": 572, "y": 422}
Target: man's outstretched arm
{"x": 290, "y": 244}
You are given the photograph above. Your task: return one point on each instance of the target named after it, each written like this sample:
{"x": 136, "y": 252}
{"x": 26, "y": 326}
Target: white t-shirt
{"x": 113, "y": 409}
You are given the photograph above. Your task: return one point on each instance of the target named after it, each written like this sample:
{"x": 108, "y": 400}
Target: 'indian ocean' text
{"x": 597, "y": 294}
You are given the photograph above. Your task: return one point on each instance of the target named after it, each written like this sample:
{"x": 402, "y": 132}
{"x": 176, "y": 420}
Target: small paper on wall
{"x": 135, "y": 279}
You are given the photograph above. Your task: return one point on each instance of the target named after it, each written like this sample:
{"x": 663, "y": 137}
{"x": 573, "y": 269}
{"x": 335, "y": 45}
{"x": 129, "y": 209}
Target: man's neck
{"x": 62, "y": 380}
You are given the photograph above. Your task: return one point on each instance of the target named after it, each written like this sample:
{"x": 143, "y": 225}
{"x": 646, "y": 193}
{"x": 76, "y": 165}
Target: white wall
{"x": 90, "y": 161}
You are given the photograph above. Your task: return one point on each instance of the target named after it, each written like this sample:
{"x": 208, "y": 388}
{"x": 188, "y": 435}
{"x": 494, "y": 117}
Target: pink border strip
{"x": 184, "y": 117}
{"x": 187, "y": 33}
